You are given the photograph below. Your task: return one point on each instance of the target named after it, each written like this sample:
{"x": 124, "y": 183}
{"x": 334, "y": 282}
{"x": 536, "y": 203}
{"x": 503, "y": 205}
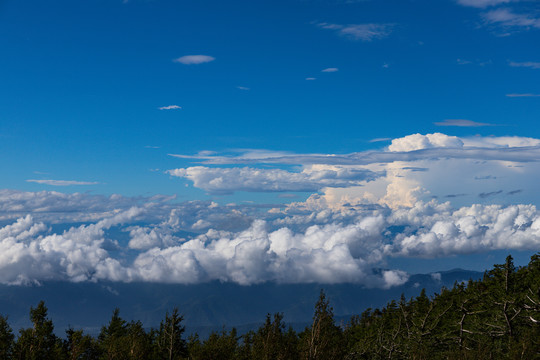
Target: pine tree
{"x": 112, "y": 338}
{"x": 169, "y": 342}
{"x": 323, "y": 340}
{"x": 38, "y": 342}
{"x": 6, "y": 338}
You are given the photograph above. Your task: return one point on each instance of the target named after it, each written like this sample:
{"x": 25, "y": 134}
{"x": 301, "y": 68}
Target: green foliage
{"x": 169, "y": 342}
{"x": 6, "y": 339}
{"x": 323, "y": 340}
{"x": 271, "y": 341}
{"x": 221, "y": 345}
{"x": 39, "y": 341}
{"x": 79, "y": 346}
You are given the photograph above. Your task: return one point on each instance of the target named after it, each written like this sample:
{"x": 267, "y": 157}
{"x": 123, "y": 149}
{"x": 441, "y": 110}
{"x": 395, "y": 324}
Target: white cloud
{"x": 482, "y": 3}
{"x": 429, "y": 141}
{"x": 311, "y": 78}
{"x": 330, "y": 70}
{"x": 506, "y": 17}
{"x": 243, "y": 88}
{"x": 325, "y": 245}
{"x": 194, "y": 59}
{"x": 527, "y": 64}
{"x": 228, "y": 180}
{"x": 63, "y": 182}
{"x": 461, "y": 123}
{"x": 436, "y": 276}
{"x": 170, "y": 107}
{"x": 363, "y": 32}
{"x": 513, "y": 95}
{"x": 380, "y": 140}
{"x": 411, "y": 168}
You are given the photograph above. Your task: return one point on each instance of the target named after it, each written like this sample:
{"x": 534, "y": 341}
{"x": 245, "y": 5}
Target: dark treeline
{"x": 497, "y": 317}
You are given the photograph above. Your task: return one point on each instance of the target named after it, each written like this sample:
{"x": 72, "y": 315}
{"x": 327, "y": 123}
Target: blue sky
{"x": 256, "y": 98}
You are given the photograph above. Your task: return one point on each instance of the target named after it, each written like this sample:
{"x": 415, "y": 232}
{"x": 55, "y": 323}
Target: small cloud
{"x": 481, "y": 3}
{"x": 379, "y": 140}
{"x": 451, "y": 196}
{"x": 487, "y": 177}
{"x": 488, "y": 194}
{"x": 514, "y": 192}
{"x": 62, "y": 182}
{"x": 415, "y": 168}
{"x": 461, "y": 123}
{"x": 194, "y": 59}
{"x": 330, "y": 70}
{"x": 475, "y": 62}
{"x": 386, "y": 65}
{"x": 311, "y": 78}
{"x": 287, "y": 196}
{"x": 152, "y": 147}
{"x": 463, "y": 62}
{"x": 507, "y": 18}
{"x": 527, "y": 64}
{"x": 436, "y": 276}
{"x": 363, "y": 32}
{"x": 170, "y": 107}
{"x": 522, "y": 95}
{"x": 243, "y": 88}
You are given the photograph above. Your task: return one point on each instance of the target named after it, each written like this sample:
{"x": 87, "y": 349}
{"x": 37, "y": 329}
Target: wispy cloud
{"x": 523, "y": 95}
{"x": 508, "y": 18}
{"x": 272, "y": 180}
{"x": 475, "y": 62}
{"x": 379, "y": 140}
{"x": 409, "y": 148}
{"x": 527, "y": 64}
{"x": 311, "y": 78}
{"x": 330, "y": 70}
{"x": 362, "y": 32}
{"x": 461, "y": 123}
{"x": 243, "y": 88}
{"x": 62, "y": 182}
{"x": 482, "y": 3}
{"x": 170, "y": 107}
{"x": 194, "y": 59}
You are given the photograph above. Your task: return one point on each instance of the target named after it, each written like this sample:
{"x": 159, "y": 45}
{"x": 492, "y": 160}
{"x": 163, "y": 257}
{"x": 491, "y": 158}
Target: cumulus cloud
{"x": 170, "y": 107}
{"x": 319, "y": 245}
{"x": 471, "y": 229}
{"x": 194, "y": 59}
{"x": 461, "y": 123}
{"x": 229, "y": 180}
{"x": 429, "y": 141}
{"x": 63, "y": 182}
{"x": 450, "y": 165}
{"x": 362, "y": 32}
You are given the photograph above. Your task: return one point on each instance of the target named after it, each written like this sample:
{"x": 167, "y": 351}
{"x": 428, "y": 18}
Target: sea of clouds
{"x": 366, "y": 209}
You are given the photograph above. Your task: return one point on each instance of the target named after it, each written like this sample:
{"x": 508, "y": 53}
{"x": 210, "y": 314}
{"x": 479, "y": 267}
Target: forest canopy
{"x": 497, "y": 317}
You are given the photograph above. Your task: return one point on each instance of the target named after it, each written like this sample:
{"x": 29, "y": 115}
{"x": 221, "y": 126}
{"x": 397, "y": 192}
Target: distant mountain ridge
{"x": 204, "y": 306}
